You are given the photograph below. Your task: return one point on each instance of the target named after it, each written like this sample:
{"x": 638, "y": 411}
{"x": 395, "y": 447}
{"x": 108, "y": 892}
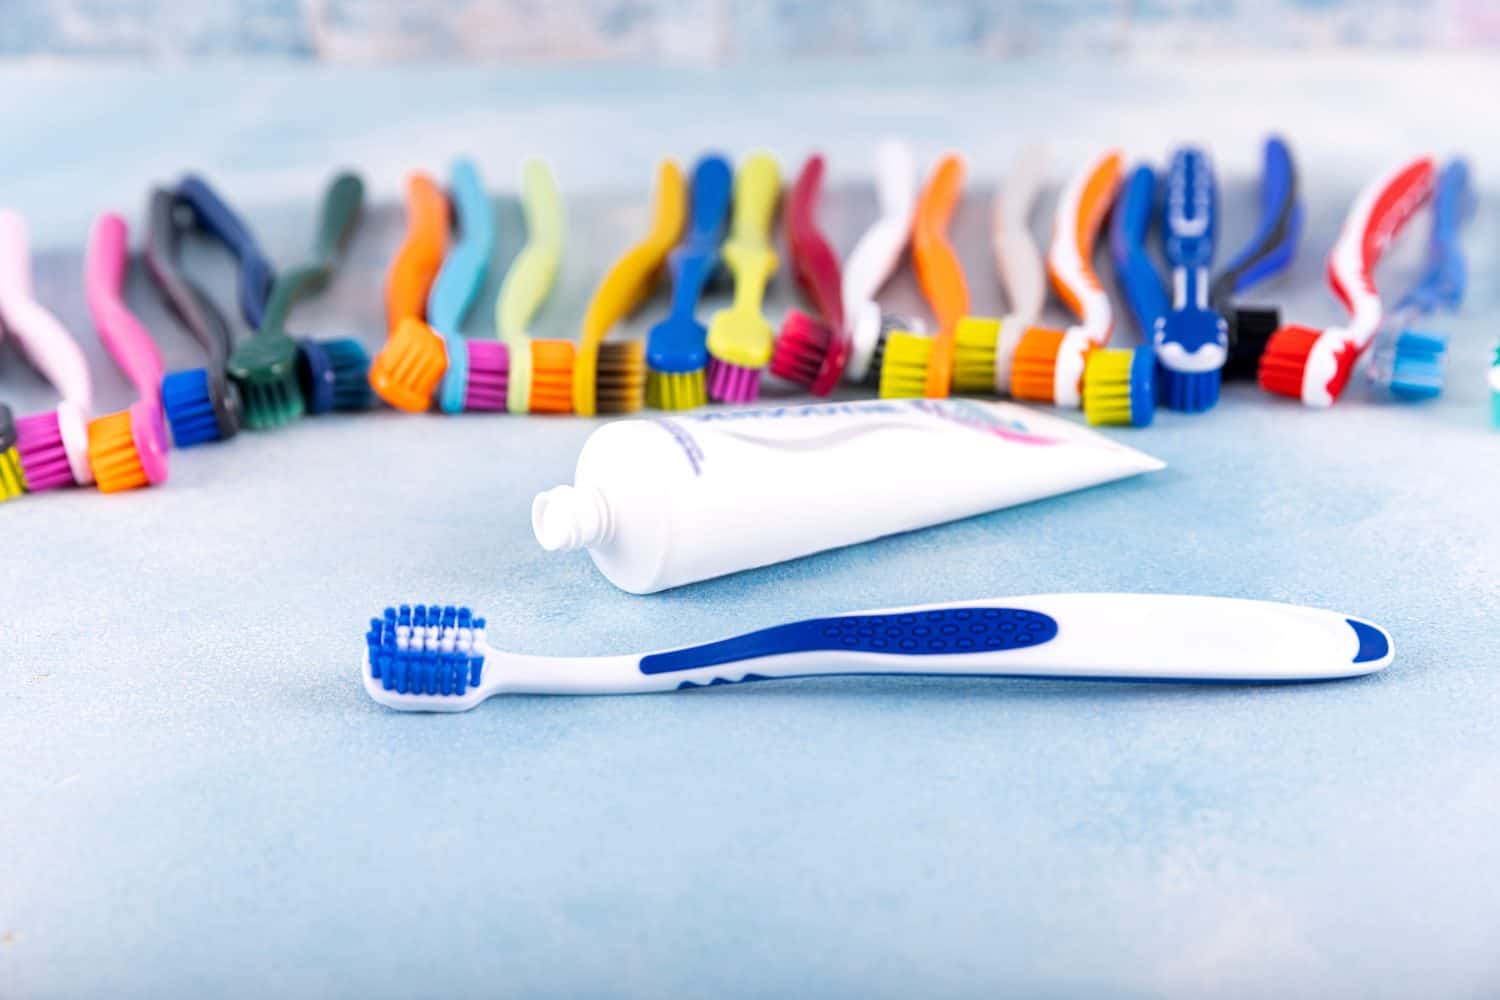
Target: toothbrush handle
{"x": 1080, "y": 215}
{"x": 1096, "y": 636}
{"x": 336, "y": 220}
{"x": 534, "y": 270}
{"x": 875, "y": 257}
{"x": 757, "y": 187}
{"x": 1128, "y": 232}
{"x": 713, "y": 182}
{"x": 421, "y": 253}
{"x": 631, "y": 277}
{"x": 105, "y": 260}
{"x": 1444, "y": 282}
{"x": 215, "y": 217}
{"x": 463, "y": 269}
{"x": 1271, "y": 249}
{"x": 46, "y": 343}
{"x": 813, "y": 260}
{"x": 1018, "y": 259}
{"x": 192, "y": 307}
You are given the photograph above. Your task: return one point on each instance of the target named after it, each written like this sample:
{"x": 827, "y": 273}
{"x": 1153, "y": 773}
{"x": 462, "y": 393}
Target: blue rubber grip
{"x": 462, "y": 275}
{"x": 1271, "y": 249}
{"x": 1446, "y": 278}
{"x": 1139, "y": 280}
{"x": 945, "y": 631}
{"x": 214, "y": 216}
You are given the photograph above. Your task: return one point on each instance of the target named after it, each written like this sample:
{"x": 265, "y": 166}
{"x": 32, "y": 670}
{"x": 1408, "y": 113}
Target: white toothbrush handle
{"x": 1018, "y": 258}
{"x": 1086, "y": 636}
{"x": 875, "y": 257}
{"x": 42, "y": 337}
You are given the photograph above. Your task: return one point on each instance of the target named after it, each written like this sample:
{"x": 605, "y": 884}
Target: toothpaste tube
{"x": 660, "y": 503}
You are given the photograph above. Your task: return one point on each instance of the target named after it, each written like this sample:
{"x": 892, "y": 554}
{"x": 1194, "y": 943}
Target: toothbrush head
{"x": 1410, "y": 364}
{"x": 1307, "y": 364}
{"x": 1119, "y": 387}
{"x": 427, "y": 657}
{"x": 676, "y": 357}
{"x": 12, "y": 482}
{"x": 976, "y": 341}
{"x": 409, "y": 367}
{"x": 201, "y": 405}
{"x": 620, "y": 377}
{"x": 739, "y": 348}
{"x": 1192, "y": 344}
{"x": 128, "y": 449}
{"x": 53, "y": 448}
{"x": 1249, "y": 330}
{"x": 333, "y": 374}
{"x": 488, "y": 364}
{"x": 265, "y": 370}
{"x": 903, "y": 369}
{"x": 1048, "y": 366}
{"x": 801, "y": 348}
{"x": 551, "y": 376}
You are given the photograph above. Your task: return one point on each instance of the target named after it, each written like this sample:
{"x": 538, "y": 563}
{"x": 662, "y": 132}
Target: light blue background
{"x": 197, "y": 798}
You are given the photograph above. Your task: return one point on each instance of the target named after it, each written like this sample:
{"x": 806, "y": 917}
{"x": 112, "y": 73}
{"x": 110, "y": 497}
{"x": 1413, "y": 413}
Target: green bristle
{"x": 271, "y": 404}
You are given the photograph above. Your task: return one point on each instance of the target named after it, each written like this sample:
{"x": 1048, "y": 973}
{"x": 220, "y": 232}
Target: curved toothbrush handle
{"x": 1444, "y": 282}
{"x": 1129, "y": 229}
{"x": 129, "y": 344}
{"x": 46, "y": 343}
{"x": 1018, "y": 259}
{"x": 713, "y": 184}
{"x": 1081, "y": 210}
{"x": 215, "y": 217}
{"x": 877, "y": 254}
{"x": 463, "y": 270}
{"x": 531, "y": 275}
{"x": 192, "y": 307}
{"x": 1274, "y": 244}
{"x": 939, "y": 271}
{"x": 1380, "y": 212}
{"x": 629, "y": 280}
{"x": 337, "y": 216}
{"x": 421, "y": 253}
{"x": 813, "y": 260}
{"x": 757, "y": 187}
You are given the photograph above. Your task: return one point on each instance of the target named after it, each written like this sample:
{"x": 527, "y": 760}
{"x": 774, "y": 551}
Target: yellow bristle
{"x": 1106, "y": 388}
{"x": 676, "y": 390}
{"x": 903, "y": 370}
{"x": 974, "y": 354}
{"x": 112, "y": 454}
{"x": 552, "y": 376}
{"x": 1033, "y": 372}
{"x": 12, "y": 483}
{"x": 620, "y": 377}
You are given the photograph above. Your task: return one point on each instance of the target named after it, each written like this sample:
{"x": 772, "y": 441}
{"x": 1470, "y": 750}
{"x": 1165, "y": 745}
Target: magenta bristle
{"x": 44, "y": 458}
{"x": 729, "y": 383}
{"x": 801, "y": 348}
{"x": 489, "y": 376}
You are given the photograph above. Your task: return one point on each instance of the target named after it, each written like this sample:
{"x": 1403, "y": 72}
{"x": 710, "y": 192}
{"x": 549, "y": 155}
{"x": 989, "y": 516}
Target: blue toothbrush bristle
{"x": 1188, "y": 392}
{"x": 189, "y": 408}
{"x": 426, "y": 649}
{"x": 1417, "y": 365}
{"x": 333, "y": 374}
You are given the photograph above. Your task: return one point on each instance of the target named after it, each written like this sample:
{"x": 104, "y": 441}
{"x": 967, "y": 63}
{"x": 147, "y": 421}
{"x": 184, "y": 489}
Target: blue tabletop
{"x": 197, "y": 797}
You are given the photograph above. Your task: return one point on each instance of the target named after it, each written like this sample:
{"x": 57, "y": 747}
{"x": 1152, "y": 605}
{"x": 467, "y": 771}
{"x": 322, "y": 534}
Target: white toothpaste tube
{"x": 660, "y": 503}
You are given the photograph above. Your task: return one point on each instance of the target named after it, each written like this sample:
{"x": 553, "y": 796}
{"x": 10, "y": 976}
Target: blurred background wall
{"x": 715, "y": 31}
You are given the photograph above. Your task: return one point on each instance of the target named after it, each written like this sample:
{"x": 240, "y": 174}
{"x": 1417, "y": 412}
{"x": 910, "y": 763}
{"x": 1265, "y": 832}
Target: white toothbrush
{"x": 878, "y": 253}
{"x": 1018, "y": 259}
{"x": 436, "y": 659}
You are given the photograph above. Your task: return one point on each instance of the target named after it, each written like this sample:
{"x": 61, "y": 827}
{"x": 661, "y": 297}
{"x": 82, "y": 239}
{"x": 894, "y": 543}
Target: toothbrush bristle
{"x": 351, "y": 373}
{"x": 112, "y": 454}
{"x": 1119, "y": 387}
{"x": 489, "y": 376}
{"x": 676, "y": 390}
{"x": 41, "y": 452}
{"x": 426, "y": 649}
{"x": 620, "y": 377}
{"x": 801, "y": 348}
{"x": 1417, "y": 367}
{"x": 272, "y": 403}
{"x": 551, "y": 376}
{"x": 12, "y": 482}
{"x": 728, "y": 383}
{"x": 1285, "y": 360}
{"x": 1033, "y": 373}
{"x": 903, "y": 371}
{"x": 974, "y": 341}
{"x": 1188, "y": 392}
{"x": 407, "y": 370}
{"x": 188, "y": 402}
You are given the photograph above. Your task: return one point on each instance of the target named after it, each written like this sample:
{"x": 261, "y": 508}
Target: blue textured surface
{"x": 198, "y": 799}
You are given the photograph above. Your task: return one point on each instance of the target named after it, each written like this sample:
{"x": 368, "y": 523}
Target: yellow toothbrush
{"x": 541, "y": 371}
{"x": 740, "y": 338}
{"x": 611, "y": 378}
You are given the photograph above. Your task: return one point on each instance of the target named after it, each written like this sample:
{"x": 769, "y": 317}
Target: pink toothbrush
{"x": 129, "y": 448}
{"x": 52, "y": 447}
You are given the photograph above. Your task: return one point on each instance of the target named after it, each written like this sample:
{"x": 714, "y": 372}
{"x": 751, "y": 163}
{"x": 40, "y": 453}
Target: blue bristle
{"x": 422, "y": 671}
{"x": 351, "y": 374}
{"x": 189, "y": 408}
{"x": 1189, "y": 392}
{"x": 1417, "y": 367}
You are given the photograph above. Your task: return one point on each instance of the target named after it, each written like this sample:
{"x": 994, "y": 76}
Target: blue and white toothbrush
{"x": 437, "y": 659}
{"x": 1411, "y": 363}
{"x": 1192, "y": 341}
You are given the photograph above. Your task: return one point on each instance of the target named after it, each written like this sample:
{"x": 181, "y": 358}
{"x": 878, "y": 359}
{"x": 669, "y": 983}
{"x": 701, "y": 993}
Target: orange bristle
{"x": 1033, "y": 371}
{"x": 620, "y": 377}
{"x": 112, "y": 454}
{"x": 1285, "y": 360}
{"x": 552, "y": 376}
{"x": 409, "y": 367}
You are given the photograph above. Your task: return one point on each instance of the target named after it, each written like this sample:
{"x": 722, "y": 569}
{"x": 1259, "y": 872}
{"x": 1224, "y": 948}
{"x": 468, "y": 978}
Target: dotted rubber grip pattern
{"x": 918, "y": 633}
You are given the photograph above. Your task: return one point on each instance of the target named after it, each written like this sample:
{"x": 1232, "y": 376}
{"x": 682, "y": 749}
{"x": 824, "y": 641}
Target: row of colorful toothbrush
{"x": 1194, "y": 331}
